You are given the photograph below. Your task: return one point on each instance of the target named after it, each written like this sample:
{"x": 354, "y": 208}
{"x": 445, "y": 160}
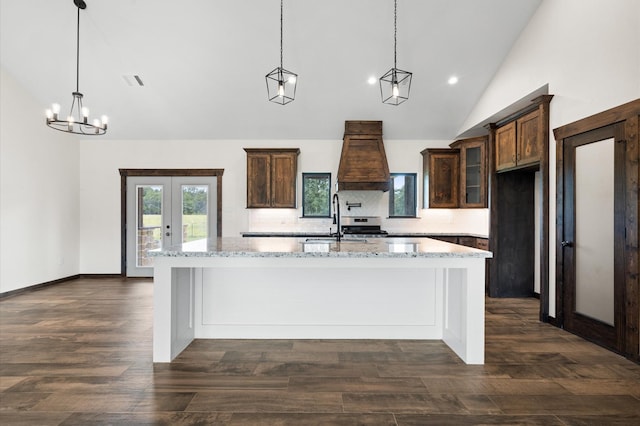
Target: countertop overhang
{"x": 302, "y": 234}
{"x": 321, "y": 247}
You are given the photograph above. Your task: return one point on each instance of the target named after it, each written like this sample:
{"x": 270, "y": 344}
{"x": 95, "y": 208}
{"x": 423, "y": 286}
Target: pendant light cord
{"x": 78, "y": 53}
{"x": 395, "y": 32}
{"x": 281, "y": 33}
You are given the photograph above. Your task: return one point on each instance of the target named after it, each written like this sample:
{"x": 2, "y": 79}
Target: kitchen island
{"x": 317, "y": 288}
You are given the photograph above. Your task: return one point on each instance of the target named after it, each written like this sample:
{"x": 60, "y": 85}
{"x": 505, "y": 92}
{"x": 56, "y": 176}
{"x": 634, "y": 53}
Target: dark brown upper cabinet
{"x": 441, "y": 167}
{"x": 519, "y": 142}
{"x": 473, "y": 171}
{"x": 271, "y": 177}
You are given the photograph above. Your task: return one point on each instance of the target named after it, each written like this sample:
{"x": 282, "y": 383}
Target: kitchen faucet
{"x": 336, "y": 215}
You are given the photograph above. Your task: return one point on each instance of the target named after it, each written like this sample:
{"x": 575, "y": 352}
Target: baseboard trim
{"x": 40, "y": 286}
{"x": 93, "y": 276}
{"x": 37, "y": 286}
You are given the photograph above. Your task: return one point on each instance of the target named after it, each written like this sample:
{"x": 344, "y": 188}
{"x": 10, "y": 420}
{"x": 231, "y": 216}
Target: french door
{"x": 164, "y": 211}
{"x": 594, "y": 235}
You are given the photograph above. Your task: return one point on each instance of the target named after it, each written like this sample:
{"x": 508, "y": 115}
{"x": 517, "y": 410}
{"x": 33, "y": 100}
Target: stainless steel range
{"x": 362, "y": 225}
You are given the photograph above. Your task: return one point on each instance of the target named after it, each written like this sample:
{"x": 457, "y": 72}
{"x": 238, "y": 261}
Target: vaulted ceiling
{"x": 203, "y": 62}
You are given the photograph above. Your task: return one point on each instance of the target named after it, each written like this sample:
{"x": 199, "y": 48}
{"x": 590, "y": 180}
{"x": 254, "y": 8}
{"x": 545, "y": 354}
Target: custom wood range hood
{"x": 363, "y": 162}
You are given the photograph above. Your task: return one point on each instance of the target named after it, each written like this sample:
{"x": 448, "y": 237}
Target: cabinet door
{"x": 283, "y": 180}
{"x": 529, "y": 137}
{"x": 444, "y": 172}
{"x": 258, "y": 180}
{"x": 473, "y": 175}
{"x": 506, "y": 146}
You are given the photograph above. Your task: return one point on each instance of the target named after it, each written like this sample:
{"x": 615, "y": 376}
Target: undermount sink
{"x": 333, "y": 240}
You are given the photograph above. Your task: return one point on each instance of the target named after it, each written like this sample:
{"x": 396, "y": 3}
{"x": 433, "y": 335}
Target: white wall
{"x": 100, "y": 160}
{"x": 588, "y": 51}
{"x": 39, "y": 210}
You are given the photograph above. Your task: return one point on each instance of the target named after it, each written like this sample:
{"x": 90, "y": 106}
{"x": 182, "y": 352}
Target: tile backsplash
{"x": 373, "y": 203}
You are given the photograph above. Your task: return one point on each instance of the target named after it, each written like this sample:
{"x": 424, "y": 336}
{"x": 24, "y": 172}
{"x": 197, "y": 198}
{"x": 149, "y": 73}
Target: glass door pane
{"x": 195, "y": 212}
{"x": 149, "y": 207}
{"x": 148, "y": 221}
{"x": 594, "y": 230}
{"x": 472, "y": 173}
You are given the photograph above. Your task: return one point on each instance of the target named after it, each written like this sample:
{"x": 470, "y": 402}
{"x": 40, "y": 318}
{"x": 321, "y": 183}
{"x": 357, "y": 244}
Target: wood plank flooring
{"x": 79, "y": 353}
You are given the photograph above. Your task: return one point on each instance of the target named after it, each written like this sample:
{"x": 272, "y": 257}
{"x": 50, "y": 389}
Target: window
{"x": 316, "y": 195}
{"x": 402, "y": 197}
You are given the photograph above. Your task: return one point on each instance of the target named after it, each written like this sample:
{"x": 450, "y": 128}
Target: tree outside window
{"x": 316, "y": 195}
{"x": 402, "y": 196}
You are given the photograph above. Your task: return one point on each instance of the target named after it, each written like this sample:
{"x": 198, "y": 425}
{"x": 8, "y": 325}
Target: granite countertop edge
{"x": 320, "y": 248}
{"x": 390, "y": 235}
{"x": 333, "y": 254}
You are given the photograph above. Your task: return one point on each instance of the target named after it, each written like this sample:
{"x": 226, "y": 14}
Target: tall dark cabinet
{"x": 519, "y": 146}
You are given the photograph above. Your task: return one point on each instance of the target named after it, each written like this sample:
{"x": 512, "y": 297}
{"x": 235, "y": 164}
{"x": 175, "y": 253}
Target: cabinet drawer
{"x": 482, "y": 244}
{"x": 467, "y": 241}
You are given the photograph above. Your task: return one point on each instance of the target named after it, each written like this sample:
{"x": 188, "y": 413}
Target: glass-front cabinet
{"x": 473, "y": 172}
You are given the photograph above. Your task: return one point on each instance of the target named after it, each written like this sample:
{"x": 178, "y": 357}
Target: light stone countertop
{"x": 392, "y": 234}
{"x": 321, "y": 247}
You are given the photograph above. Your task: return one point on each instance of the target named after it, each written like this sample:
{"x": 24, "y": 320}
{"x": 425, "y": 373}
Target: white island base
{"x": 318, "y": 297}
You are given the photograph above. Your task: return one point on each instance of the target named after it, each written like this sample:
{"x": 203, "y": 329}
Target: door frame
{"x": 124, "y": 173}
{"x": 629, "y": 115}
{"x": 595, "y": 330}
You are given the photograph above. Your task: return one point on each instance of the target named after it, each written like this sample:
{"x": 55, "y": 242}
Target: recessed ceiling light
{"x": 372, "y": 80}
{"x": 452, "y": 80}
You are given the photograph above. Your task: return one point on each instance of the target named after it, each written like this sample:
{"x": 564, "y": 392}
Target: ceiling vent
{"x": 133, "y": 80}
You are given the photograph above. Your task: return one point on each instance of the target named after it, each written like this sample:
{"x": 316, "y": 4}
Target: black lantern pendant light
{"x": 281, "y": 84}
{"x": 78, "y": 119}
{"x": 395, "y": 84}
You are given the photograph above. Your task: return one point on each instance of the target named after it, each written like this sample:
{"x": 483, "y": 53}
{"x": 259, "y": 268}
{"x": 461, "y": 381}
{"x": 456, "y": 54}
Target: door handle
{"x": 566, "y": 244}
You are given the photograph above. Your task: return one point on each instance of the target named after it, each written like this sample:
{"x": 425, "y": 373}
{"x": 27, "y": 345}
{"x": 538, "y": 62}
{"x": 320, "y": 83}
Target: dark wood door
{"x": 593, "y": 233}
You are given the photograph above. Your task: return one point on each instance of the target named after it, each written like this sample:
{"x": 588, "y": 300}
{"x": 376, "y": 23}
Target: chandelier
{"x": 78, "y": 119}
{"x": 281, "y": 84}
{"x": 395, "y": 84}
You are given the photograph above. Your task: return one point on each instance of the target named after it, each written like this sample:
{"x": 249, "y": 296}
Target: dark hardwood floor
{"x": 79, "y": 353}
